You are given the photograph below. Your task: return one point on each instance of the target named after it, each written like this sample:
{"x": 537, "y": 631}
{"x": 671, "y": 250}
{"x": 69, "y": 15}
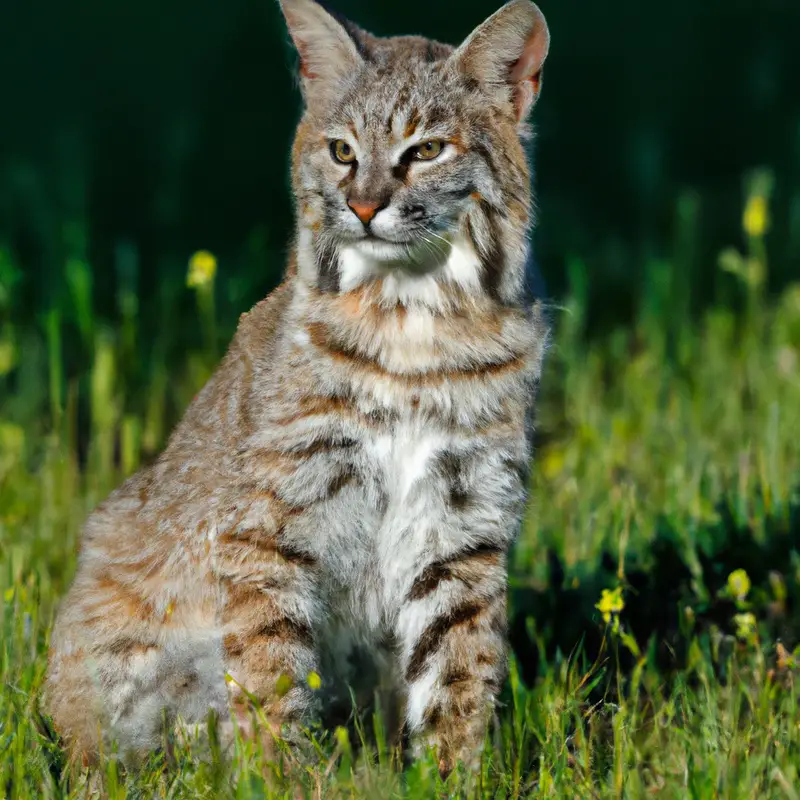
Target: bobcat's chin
{"x": 418, "y": 256}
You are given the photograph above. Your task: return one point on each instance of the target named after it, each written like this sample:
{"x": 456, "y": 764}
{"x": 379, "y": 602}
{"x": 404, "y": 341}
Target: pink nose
{"x": 364, "y": 211}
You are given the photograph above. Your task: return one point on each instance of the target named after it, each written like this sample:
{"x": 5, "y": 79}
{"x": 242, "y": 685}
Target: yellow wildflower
{"x": 745, "y": 626}
{"x": 342, "y": 737}
{"x": 738, "y": 584}
{"x": 755, "y": 220}
{"x": 283, "y": 685}
{"x": 202, "y": 269}
{"x": 314, "y": 681}
{"x": 611, "y": 604}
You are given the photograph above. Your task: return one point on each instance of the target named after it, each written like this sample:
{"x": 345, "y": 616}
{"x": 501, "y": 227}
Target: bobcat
{"x": 344, "y": 490}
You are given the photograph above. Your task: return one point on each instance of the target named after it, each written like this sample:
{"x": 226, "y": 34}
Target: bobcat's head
{"x": 409, "y": 163}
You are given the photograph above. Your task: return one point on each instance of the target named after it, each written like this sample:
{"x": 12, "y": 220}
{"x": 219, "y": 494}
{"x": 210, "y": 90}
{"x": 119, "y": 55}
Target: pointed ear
{"x": 507, "y": 53}
{"x": 328, "y": 53}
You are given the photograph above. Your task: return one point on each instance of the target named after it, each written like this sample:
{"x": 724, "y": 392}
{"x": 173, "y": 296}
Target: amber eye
{"x": 428, "y": 150}
{"x": 342, "y": 152}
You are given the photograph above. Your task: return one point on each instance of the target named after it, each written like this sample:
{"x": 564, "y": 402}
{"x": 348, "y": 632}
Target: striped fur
{"x": 350, "y": 480}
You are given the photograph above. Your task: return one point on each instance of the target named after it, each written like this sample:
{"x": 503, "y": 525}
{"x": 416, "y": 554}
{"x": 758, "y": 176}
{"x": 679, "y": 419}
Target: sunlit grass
{"x": 675, "y": 430}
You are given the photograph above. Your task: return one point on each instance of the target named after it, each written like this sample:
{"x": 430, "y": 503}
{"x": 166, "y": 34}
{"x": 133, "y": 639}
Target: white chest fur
{"x": 405, "y": 465}
{"x": 403, "y": 458}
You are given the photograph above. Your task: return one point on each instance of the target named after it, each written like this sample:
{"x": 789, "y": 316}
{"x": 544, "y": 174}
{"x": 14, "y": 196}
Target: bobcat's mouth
{"x": 371, "y": 236}
{"x": 414, "y": 255}
{"x": 383, "y": 249}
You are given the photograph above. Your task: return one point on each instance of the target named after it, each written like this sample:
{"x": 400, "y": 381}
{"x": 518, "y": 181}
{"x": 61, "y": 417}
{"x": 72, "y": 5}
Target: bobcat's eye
{"x": 427, "y": 151}
{"x": 342, "y": 152}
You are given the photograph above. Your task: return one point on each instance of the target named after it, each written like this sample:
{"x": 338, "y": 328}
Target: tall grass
{"x": 647, "y": 662}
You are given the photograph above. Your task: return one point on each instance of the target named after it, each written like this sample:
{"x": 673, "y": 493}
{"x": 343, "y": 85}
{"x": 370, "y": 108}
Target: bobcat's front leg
{"x": 452, "y": 628}
{"x": 268, "y": 622}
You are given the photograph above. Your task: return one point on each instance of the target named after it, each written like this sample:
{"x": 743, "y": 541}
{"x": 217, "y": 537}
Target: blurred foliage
{"x": 136, "y": 133}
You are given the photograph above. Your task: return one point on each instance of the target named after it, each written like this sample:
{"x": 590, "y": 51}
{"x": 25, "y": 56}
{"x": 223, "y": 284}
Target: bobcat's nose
{"x": 365, "y": 211}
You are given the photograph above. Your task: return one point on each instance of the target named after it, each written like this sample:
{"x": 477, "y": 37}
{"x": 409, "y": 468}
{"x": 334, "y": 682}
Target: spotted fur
{"x": 347, "y": 485}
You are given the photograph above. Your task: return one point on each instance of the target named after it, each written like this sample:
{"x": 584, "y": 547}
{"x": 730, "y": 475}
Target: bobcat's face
{"x": 399, "y": 160}
{"x": 409, "y": 148}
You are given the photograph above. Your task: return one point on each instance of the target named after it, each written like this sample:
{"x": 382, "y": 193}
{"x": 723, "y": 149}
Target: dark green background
{"x": 134, "y": 132}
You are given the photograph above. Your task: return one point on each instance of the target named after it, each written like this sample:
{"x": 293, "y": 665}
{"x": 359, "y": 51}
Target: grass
{"x": 654, "y": 588}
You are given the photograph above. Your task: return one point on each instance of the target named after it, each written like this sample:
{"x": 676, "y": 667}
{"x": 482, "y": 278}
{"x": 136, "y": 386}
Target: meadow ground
{"x": 654, "y": 593}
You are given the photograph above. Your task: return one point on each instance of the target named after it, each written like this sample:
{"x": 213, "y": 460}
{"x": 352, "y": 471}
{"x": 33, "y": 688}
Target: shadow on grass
{"x": 565, "y": 620}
